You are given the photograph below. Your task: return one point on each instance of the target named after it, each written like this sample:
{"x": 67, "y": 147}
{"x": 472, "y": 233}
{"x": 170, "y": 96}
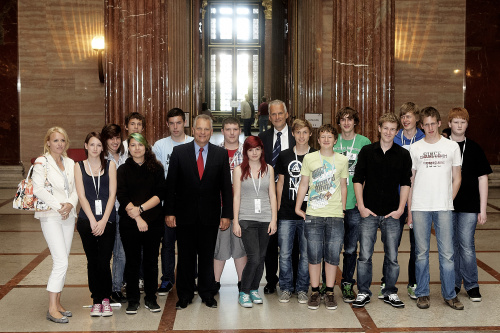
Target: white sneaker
{"x": 107, "y": 311}
{"x": 285, "y": 296}
{"x": 302, "y": 297}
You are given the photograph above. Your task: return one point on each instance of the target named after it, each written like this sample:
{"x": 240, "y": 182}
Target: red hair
{"x": 252, "y": 142}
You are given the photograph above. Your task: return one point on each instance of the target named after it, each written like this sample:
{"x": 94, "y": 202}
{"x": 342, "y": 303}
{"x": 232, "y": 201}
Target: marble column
{"x": 363, "y": 60}
{"x": 149, "y": 62}
{"x": 268, "y": 47}
{"x": 9, "y": 98}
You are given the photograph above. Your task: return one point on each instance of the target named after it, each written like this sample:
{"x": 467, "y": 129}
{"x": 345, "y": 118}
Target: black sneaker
{"x": 361, "y": 300}
{"x": 474, "y": 294}
{"x": 152, "y": 305}
{"x": 118, "y": 297}
{"x": 347, "y": 292}
{"x": 132, "y": 308}
{"x": 165, "y": 287}
{"x": 394, "y": 300}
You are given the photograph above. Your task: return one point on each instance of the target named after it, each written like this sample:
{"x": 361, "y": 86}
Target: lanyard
{"x": 412, "y": 140}
{"x": 321, "y": 158}
{"x": 348, "y": 150}
{"x": 295, "y": 151}
{"x": 463, "y": 152}
{"x": 93, "y": 180}
{"x": 253, "y": 181}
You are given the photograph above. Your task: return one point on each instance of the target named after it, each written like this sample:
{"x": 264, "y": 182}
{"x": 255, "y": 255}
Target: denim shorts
{"x": 325, "y": 238}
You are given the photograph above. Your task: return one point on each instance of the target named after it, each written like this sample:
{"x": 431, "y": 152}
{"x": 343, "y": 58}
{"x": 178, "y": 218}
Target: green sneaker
{"x": 347, "y": 293}
{"x": 411, "y": 291}
{"x": 380, "y": 295}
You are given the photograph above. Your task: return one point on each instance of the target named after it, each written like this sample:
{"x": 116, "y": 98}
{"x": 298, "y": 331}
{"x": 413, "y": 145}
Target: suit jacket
{"x": 56, "y": 179}
{"x": 192, "y": 200}
{"x": 267, "y": 139}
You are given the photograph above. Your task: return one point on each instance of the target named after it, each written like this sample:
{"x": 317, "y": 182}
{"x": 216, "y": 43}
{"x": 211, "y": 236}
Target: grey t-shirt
{"x": 248, "y": 196}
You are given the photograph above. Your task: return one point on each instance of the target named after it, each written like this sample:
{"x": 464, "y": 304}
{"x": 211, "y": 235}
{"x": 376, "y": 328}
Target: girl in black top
{"x": 95, "y": 180}
{"x": 141, "y": 184}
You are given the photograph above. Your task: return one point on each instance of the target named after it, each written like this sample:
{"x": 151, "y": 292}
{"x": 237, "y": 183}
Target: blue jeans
{"x": 286, "y": 234}
{"x": 325, "y": 237}
{"x": 389, "y": 228}
{"x": 168, "y": 255}
{"x": 118, "y": 259}
{"x": 263, "y": 120}
{"x": 443, "y": 225}
{"x": 352, "y": 220}
{"x": 464, "y": 225}
{"x": 411, "y": 262}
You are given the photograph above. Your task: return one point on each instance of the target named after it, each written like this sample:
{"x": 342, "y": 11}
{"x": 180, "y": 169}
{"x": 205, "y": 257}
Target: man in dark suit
{"x": 276, "y": 140}
{"x": 198, "y": 182}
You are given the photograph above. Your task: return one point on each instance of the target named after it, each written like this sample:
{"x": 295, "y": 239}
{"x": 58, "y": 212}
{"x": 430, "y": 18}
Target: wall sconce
{"x": 98, "y": 45}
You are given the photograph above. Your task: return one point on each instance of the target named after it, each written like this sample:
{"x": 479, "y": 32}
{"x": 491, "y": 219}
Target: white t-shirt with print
{"x": 432, "y": 189}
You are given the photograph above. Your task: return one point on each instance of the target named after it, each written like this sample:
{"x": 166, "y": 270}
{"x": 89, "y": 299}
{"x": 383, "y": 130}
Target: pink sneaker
{"x": 107, "y": 311}
{"x": 96, "y": 310}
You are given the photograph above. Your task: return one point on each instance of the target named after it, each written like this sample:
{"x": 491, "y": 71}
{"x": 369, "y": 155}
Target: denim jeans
{"x": 118, "y": 259}
{"x": 389, "y": 228}
{"x": 464, "y": 225}
{"x": 352, "y": 219}
{"x": 168, "y": 255}
{"x": 263, "y": 120}
{"x": 325, "y": 237}
{"x": 286, "y": 234}
{"x": 412, "y": 280}
{"x": 443, "y": 225}
{"x": 255, "y": 238}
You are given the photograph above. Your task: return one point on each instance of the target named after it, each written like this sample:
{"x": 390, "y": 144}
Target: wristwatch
{"x": 141, "y": 209}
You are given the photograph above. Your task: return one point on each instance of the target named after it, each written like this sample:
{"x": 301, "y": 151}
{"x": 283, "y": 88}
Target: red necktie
{"x": 201, "y": 167}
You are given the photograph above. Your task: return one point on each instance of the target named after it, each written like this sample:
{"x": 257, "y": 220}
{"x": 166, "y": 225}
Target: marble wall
{"x": 59, "y": 83}
{"x": 429, "y": 54}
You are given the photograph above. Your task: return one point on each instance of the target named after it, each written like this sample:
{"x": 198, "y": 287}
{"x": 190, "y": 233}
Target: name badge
{"x": 98, "y": 207}
{"x": 258, "y": 209}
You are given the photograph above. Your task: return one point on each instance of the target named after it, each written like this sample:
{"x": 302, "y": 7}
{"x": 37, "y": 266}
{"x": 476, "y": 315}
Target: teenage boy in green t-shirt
{"x": 324, "y": 173}
{"x": 349, "y": 144}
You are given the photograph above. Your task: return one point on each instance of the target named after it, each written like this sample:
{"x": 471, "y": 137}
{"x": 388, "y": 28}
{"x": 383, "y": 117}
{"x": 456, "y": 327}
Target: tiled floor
{"x": 25, "y": 264}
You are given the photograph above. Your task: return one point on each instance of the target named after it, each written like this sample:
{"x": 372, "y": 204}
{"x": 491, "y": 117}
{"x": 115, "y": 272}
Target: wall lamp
{"x": 98, "y": 45}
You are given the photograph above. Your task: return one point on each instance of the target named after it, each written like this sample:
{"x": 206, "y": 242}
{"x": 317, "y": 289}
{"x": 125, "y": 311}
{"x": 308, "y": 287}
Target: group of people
{"x": 270, "y": 200}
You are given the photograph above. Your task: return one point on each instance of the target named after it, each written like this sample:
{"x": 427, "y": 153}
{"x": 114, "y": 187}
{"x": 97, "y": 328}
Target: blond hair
{"x": 52, "y": 130}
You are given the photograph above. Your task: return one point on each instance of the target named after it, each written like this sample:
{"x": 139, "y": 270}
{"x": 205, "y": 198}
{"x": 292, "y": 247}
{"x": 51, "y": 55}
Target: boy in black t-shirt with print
{"x": 288, "y": 169}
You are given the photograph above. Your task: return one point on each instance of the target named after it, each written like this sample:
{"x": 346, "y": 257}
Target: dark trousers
{"x": 247, "y": 126}
{"x": 98, "y": 250}
{"x": 168, "y": 255}
{"x": 195, "y": 241}
{"x": 135, "y": 242}
{"x": 271, "y": 261}
{"x": 255, "y": 239}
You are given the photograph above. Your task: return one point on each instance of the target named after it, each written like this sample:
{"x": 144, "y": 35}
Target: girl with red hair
{"x": 255, "y": 215}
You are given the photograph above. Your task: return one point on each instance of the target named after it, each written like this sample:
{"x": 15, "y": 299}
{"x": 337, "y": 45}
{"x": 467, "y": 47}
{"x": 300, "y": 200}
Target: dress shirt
{"x": 204, "y": 153}
{"x": 284, "y": 137}
{"x": 382, "y": 174}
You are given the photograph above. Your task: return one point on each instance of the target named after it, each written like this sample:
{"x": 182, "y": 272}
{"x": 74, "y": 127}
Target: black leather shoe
{"x": 210, "y": 302}
{"x": 182, "y": 304}
{"x": 269, "y": 288}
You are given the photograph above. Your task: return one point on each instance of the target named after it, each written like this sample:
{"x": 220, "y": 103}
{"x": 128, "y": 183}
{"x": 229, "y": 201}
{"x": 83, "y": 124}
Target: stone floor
{"x": 25, "y": 265}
